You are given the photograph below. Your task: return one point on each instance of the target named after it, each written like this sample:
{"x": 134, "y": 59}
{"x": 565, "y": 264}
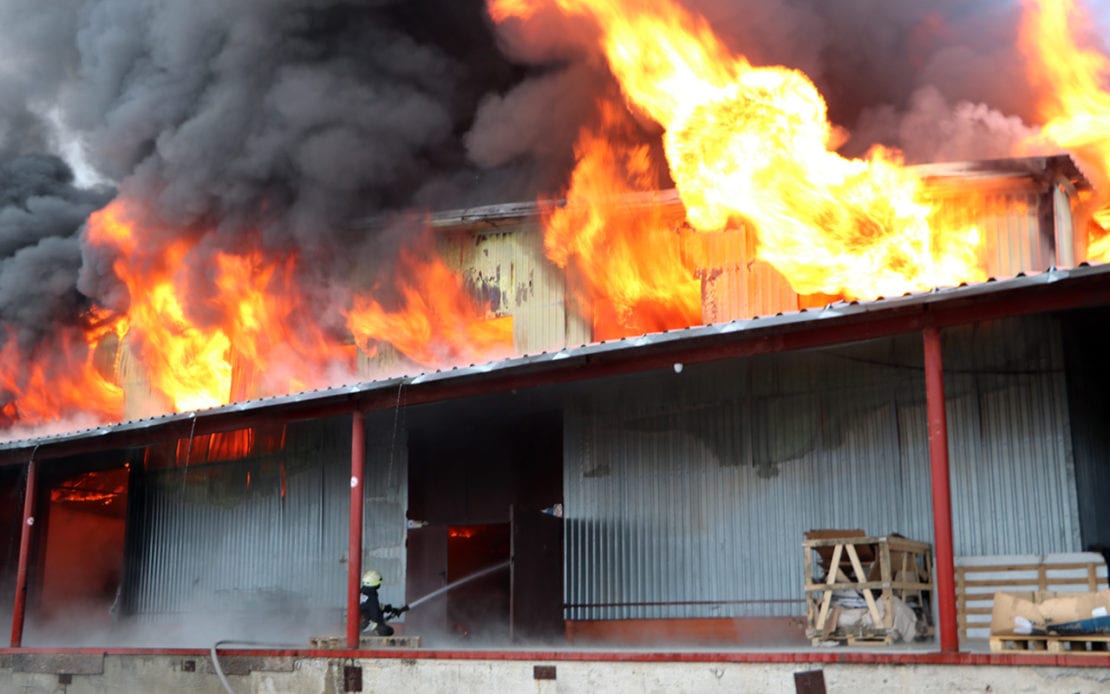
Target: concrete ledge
{"x": 169, "y": 675}
{"x": 245, "y": 664}
{"x": 56, "y": 663}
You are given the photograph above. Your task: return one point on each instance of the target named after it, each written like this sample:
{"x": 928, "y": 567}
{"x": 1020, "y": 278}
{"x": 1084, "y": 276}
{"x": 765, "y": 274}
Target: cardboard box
{"x": 1019, "y": 612}
{"x": 1015, "y": 613}
{"x": 1062, "y": 608}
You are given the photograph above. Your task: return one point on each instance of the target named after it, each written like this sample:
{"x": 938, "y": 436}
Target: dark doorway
{"x": 80, "y": 553}
{"x": 478, "y": 610}
{"x": 474, "y": 471}
{"x": 13, "y": 482}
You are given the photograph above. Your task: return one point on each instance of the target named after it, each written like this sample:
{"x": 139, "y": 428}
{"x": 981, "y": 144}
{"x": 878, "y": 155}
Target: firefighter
{"x": 372, "y": 613}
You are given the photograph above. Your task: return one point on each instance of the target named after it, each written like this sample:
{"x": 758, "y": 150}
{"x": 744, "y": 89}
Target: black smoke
{"x": 41, "y": 214}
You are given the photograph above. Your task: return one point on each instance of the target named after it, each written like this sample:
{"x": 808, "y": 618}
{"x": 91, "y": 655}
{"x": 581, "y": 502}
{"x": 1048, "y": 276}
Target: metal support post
{"x": 354, "y": 550}
{"x": 942, "y": 492}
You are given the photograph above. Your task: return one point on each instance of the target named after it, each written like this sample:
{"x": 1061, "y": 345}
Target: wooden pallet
{"x": 333, "y": 643}
{"x": 866, "y": 638}
{"x": 976, "y": 583}
{"x": 1078, "y": 644}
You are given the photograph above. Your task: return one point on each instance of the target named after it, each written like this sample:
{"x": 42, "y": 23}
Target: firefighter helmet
{"x": 371, "y": 579}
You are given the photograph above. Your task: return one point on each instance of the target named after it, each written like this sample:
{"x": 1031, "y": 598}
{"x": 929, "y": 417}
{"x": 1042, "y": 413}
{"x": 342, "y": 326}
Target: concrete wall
{"x": 141, "y": 674}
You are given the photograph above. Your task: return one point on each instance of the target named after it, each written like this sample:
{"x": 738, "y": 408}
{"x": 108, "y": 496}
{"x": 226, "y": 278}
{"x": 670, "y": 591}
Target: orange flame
{"x": 629, "y": 254}
{"x": 747, "y": 143}
{"x": 208, "y": 327}
{"x": 438, "y": 323}
{"x": 60, "y": 380}
{"x": 1075, "y": 96}
{"x": 253, "y": 312}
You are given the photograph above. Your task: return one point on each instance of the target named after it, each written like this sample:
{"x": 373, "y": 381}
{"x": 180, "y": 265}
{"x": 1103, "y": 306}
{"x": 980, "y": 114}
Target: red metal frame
{"x": 354, "y": 549}
{"x": 25, "y": 538}
{"x": 814, "y": 656}
{"x": 942, "y": 493}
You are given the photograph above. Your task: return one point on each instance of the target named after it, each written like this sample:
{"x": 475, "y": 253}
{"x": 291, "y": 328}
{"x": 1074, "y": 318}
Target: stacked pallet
{"x": 1071, "y": 644}
{"x": 979, "y": 578}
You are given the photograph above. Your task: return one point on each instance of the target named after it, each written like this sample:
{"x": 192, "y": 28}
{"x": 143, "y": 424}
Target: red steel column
{"x": 24, "y": 554}
{"x": 942, "y": 492}
{"x": 354, "y": 550}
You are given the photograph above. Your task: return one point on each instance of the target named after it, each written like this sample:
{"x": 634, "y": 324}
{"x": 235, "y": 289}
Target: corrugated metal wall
{"x": 206, "y": 542}
{"x": 510, "y": 270}
{"x": 1017, "y": 218}
{"x": 1017, "y": 223}
{"x": 734, "y": 284}
{"x": 688, "y": 494}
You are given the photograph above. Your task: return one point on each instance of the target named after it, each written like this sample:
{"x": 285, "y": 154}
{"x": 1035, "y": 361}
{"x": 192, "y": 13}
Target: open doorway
{"x": 478, "y": 610}
{"x": 474, "y": 473}
{"x": 80, "y": 554}
{"x": 13, "y": 481}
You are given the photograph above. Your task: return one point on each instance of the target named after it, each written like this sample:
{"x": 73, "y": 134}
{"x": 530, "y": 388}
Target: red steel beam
{"x": 354, "y": 550}
{"x": 942, "y": 493}
{"x": 25, "y": 540}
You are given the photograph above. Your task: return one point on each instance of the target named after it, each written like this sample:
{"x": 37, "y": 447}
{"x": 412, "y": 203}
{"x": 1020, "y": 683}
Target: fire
{"x": 629, "y": 254}
{"x": 63, "y": 380}
{"x": 437, "y": 324}
{"x": 206, "y": 327}
{"x": 253, "y": 315}
{"x": 1075, "y": 96}
{"x": 749, "y": 144}
{"x": 187, "y": 365}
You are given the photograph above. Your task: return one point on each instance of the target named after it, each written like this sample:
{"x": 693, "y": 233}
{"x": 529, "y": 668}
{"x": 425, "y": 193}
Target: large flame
{"x": 1074, "y": 86}
{"x": 254, "y": 318}
{"x": 437, "y": 323}
{"x": 755, "y": 144}
{"x": 60, "y": 379}
{"x": 624, "y": 255}
{"x": 205, "y": 327}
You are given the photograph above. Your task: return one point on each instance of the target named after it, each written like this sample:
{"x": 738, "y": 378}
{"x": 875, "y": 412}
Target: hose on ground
{"x": 252, "y": 644}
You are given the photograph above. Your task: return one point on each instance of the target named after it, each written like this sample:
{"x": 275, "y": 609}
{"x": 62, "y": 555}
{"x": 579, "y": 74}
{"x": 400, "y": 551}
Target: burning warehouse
{"x": 750, "y": 388}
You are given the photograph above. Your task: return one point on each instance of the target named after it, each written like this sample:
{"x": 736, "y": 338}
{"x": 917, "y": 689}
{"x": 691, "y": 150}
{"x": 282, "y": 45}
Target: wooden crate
{"x": 880, "y": 568}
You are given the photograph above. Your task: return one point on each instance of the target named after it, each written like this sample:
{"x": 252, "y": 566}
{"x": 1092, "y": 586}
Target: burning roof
{"x": 1054, "y": 289}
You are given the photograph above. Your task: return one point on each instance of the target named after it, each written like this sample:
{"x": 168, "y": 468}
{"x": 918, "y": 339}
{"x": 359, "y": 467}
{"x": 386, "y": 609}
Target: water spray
{"x": 462, "y": 581}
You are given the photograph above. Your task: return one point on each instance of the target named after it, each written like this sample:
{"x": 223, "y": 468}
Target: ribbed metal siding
{"x": 510, "y": 269}
{"x": 1016, "y": 224}
{"x": 206, "y": 543}
{"x": 1013, "y": 475}
{"x": 386, "y": 502}
{"x": 1016, "y": 219}
{"x": 699, "y": 486}
{"x": 734, "y": 283}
